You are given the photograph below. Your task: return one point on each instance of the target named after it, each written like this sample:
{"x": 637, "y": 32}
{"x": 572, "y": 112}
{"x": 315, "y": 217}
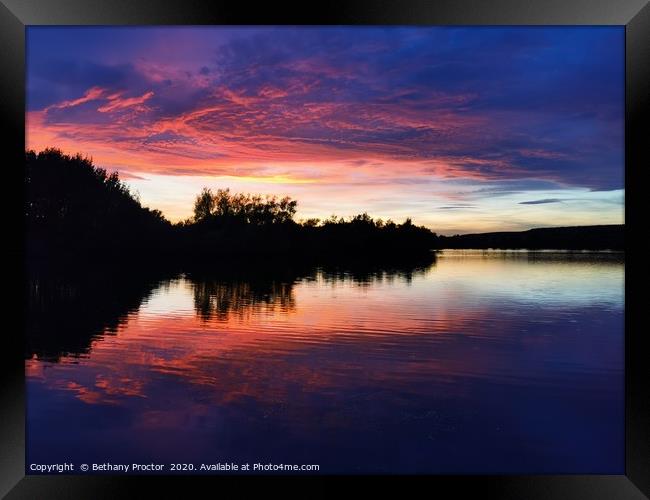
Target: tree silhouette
{"x": 75, "y": 210}
{"x": 243, "y": 208}
{"x": 204, "y": 205}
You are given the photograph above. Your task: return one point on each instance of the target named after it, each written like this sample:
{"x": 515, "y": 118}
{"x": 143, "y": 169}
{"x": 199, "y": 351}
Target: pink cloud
{"x": 116, "y": 102}
{"x": 91, "y": 94}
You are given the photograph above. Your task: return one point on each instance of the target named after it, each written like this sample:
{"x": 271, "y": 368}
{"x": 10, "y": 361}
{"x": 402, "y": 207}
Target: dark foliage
{"x": 239, "y": 225}
{"x": 75, "y": 209}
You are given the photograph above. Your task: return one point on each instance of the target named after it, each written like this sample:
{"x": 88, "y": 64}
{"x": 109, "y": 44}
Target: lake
{"x": 478, "y": 362}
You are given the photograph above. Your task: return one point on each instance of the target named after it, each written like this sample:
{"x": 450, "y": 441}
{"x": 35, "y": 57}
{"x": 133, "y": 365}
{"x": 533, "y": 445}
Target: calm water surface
{"x": 483, "y": 362}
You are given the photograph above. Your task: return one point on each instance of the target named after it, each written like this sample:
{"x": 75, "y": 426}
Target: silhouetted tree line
{"x": 244, "y": 224}
{"x": 79, "y": 212}
{"x": 76, "y": 210}
{"x": 242, "y": 208}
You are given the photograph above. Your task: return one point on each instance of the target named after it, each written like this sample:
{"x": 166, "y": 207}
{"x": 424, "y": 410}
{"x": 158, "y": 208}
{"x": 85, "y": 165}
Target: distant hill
{"x": 605, "y": 237}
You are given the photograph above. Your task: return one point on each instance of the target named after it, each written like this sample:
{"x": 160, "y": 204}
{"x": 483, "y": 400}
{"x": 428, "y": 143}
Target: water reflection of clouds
{"x": 246, "y": 346}
{"x": 171, "y": 297}
{"x": 433, "y": 364}
{"x": 551, "y": 280}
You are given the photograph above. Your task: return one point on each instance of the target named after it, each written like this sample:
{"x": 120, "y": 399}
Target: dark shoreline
{"x": 78, "y": 214}
{"x": 601, "y": 237}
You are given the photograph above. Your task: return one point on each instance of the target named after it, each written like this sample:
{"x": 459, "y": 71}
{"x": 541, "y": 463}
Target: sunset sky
{"x": 462, "y": 129}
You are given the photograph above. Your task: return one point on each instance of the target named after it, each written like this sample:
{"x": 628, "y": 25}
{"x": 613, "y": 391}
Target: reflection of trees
{"x": 66, "y": 310}
{"x": 368, "y": 274}
{"x": 249, "y": 290}
{"x": 220, "y": 299}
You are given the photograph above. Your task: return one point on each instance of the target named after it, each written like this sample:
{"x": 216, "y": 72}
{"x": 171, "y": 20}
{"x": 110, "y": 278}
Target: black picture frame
{"x": 15, "y": 15}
